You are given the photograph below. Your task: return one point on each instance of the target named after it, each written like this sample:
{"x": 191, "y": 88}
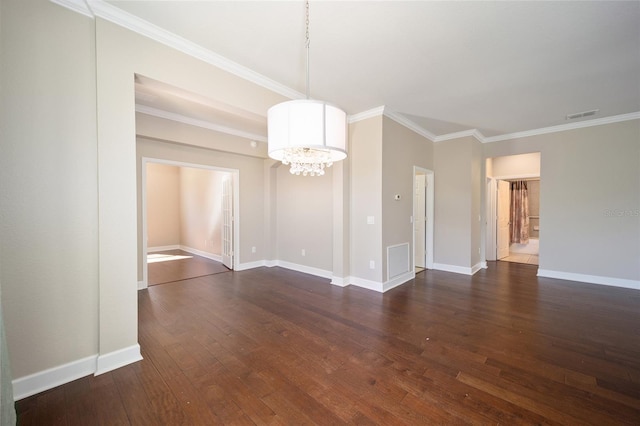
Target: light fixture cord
{"x": 307, "y": 43}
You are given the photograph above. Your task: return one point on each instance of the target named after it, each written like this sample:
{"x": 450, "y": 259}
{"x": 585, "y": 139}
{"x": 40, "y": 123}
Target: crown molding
{"x": 106, "y": 11}
{"x": 374, "y": 112}
{"x": 143, "y": 109}
{"x": 401, "y": 119}
{"x": 564, "y": 127}
{"x": 101, "y": 9}
{"x": 465, "y": 133}
{"x": 78, "y": 6}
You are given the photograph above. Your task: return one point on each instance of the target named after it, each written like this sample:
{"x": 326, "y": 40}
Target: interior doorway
{"x": 205, "y": 218}
{"x": 423, "y": 198}
{"x": 513, "y": 208}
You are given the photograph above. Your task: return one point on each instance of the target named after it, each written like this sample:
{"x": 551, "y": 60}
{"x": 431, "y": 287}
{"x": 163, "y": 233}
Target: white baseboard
{"x": 52, "y": 377}
{"x": 248, "y": 265}
{"x": 340, "y": 281}
{"x": 306, "y": 269}
{"x": 399, "y": 280}
{"x": 480, "y": 265}
{"x": 163, "y": 248}
{"x": 368, "y": 284}
{"x": 117, "y": 359}
{"x": 212, "y": 256}
{"x": 142, "y": 285}
{"x": 591, "y": 279}
{"x": 270, "y": 263}
{"x": 453, "y": 268}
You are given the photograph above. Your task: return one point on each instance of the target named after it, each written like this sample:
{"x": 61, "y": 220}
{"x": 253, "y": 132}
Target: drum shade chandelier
{"x": 307, "y": 134}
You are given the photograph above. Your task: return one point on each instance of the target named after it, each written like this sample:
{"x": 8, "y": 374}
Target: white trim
{"x": 398, "y": 280}
{"x": 142, "y": 285}
{"x": 340, "y": 281}
{"x": 117, "y": 359}
{"x": 368, "y": 284}
{"x": 119, "y": 17}
{"x": 78, "y": 6}
{"x": 109, "y": 12}
{"x": 306, "y": 269}
{"x": 52, "y": 377}
{"x": 564, "y": 127}
{"x": 471, "y": 132}
{"x": 484, "y": 265}
{"x": 518, "y": 176}
{"x": 270, "y": 263}
{"x": 154, "y": 112}
{"x": 374, "y": 112}
{"x": 453, "y": 268}
{"x": 591, "y": 279}
{"x": 249, "y": 265}
{"x": 480, "y": 265}
{"x": 401, "y": 119}
{"x": 201, "y": 253}
{"x": 163, "y": 248}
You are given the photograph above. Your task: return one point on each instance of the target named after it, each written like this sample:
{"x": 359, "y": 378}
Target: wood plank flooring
{"x": 272, "y": 346}
{"x": 183, "y": 269}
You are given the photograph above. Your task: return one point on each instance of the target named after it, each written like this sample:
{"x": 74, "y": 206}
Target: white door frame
{"x": 492, "y": 217}
{"x": 429, "y": 213}
{"x": 143, "y": 194}
{"x": 492, "y": 211}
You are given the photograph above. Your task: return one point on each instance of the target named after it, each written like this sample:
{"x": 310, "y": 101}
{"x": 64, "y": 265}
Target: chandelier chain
{"x": 307, "y": 43}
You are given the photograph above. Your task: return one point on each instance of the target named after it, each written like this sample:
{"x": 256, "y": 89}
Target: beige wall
{"x": 48, "y": 186}
{"x": 163, "y": 205}
{"x": 453, "y": 202}
{"x": 201, "y": 209}
{"x": 589, "y": 198}
{"x": 402, "y": 149}
{"x": 305, "y": 219}
{"x": 365, "y": 161}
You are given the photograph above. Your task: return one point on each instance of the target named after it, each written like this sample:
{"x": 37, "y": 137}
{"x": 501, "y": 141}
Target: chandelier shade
{"x": 307, "y": 134}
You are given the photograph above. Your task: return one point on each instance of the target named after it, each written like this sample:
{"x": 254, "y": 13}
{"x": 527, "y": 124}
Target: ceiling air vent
{"x": 582, "y": 114}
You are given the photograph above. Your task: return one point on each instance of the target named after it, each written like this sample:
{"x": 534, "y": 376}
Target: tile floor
{"x": 531, "y": 259}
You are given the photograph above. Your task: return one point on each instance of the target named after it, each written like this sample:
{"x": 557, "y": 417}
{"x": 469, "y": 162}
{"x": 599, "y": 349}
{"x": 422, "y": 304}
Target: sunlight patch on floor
{"x": 157, "y": 257}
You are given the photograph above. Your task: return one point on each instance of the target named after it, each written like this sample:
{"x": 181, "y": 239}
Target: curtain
{"x": 519, "y": 212}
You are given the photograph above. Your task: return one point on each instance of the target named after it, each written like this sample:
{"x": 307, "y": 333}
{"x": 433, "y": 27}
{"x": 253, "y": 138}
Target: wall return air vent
{"x": 582, "y": 114}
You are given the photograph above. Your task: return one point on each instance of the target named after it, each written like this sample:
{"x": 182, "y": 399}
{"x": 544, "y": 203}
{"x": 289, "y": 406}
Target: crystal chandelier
{"x": 308, "y": 135}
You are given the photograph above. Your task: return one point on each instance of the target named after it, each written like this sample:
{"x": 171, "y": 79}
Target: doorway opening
{"x": 513, "y": 208}
{"x": 190, "y": 217}
{"x": 423, "y": 191}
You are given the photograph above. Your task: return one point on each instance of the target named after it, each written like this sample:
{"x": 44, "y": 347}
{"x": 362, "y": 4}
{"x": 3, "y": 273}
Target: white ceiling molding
{"x": 463, "y": 134}
{"x": 119, "y": 17}
{"x": 143, "y": 109}
{"x": 104, "y": 10}
{"x": 401, "y": 119}
{"x": 564, "y": 127}
{"x": 374, "y": 112}
{"x": 79, "y": 6}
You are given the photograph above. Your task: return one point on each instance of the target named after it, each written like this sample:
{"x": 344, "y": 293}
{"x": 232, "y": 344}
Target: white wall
{"x": 48, "y": 187}
{"x": 515, "y": 165}
{"x": 589, "y": 198}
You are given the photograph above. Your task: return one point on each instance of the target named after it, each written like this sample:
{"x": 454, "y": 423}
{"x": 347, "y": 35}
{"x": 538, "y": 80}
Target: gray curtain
{"x": 519, "y": 212}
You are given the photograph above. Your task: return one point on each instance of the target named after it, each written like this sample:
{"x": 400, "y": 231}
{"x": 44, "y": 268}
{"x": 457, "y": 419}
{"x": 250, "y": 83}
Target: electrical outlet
{"x": 253, "y": 249}
{"x": 372, "y": 264}
{"x": 303, "y": 252}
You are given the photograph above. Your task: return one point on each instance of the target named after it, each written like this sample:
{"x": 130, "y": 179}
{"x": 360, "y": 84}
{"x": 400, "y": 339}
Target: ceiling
{"x": 497, "y": 67}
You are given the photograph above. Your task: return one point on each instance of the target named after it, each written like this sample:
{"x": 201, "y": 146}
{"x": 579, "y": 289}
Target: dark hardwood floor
{"x": 272, "y": 346}
{"x": 183, "y": 269}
